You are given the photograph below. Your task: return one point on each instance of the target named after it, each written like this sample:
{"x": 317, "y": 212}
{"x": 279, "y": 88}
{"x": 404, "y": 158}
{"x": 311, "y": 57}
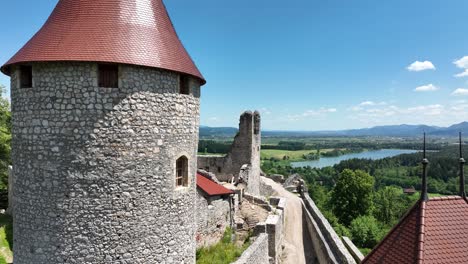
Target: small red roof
{"x": 210, "y": 187}
{"x": 137, "y": 32}
{"x": 433, "y": 231}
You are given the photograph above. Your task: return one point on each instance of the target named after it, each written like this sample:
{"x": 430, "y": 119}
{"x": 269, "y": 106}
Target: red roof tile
{"x": 211, "y": 188}
{"x": 435, "y": 231}
{"x": 137, "y": 32}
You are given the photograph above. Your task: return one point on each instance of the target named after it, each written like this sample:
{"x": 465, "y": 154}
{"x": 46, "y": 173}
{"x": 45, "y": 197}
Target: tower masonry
{"x": 105, "y": 109}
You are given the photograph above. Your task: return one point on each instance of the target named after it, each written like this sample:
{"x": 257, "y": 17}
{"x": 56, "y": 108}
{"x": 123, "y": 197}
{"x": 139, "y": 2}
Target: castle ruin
{"x": 243, "y": 159}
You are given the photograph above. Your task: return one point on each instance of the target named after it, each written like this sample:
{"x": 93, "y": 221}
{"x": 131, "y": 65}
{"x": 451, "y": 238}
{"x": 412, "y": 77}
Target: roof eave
{"x": 6, "y": 68}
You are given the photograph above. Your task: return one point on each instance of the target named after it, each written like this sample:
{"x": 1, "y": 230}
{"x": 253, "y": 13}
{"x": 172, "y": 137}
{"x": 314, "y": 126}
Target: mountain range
{"x": 389, "y": 131}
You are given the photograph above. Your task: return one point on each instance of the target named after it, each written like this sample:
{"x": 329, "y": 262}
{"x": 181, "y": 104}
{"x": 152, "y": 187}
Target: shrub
{"x": 366, "y": 231}
{"x": 224, "y": 252}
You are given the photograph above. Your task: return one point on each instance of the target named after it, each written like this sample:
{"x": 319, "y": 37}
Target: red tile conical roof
{"x": 137, "y": 32}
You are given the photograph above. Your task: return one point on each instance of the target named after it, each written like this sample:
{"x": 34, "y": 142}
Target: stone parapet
{"x": 327, "y": 244}
{"x": 355, "y": 252}
{"x": 257, "y": 253}
{"x": 274, "y": 228}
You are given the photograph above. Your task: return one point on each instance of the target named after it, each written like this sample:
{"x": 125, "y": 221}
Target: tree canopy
{"x": 352, "y": 195}
{"x": 5, "y": 139}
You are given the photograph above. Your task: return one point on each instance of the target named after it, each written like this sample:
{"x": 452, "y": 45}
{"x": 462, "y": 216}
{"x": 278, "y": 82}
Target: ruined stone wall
{"x": 217, "y": 165}
{"x": 213, "y": 217}
{"x": 94, "y": 167}
{"x": 244, "y": 150}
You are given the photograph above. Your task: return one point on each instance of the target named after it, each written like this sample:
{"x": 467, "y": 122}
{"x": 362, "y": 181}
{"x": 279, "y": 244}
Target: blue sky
{"x": 308, "y": 64}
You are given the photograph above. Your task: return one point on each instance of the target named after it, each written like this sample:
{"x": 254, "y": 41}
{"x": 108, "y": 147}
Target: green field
{"x": 294, "y": 155}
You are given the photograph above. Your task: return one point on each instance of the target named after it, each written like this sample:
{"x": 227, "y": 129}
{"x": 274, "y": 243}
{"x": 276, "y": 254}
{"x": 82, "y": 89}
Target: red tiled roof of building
{"x": 433, "y": 231}
{"x": 211, "y": 188}
{"x": 137, "y": 32}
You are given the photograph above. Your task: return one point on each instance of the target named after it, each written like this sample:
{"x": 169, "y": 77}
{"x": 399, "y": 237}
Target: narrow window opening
{"x": 182, "y": 172}
{"x": 26, "y": 76}
{"x": 184, "y": 87}
{"x": 219, "y": 169}
{"x": 108, "y": 75}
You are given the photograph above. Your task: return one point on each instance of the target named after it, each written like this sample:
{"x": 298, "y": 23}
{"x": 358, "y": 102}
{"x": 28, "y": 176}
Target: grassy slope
{"x": 224, "y": 252}
{"x": 6, "y": 239}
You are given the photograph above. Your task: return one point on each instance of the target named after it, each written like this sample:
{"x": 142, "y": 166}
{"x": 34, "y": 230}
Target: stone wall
{"x": 245, "y": 150}
{"x": 273, "y": 225}
{"x": 213, "y": 216}
{"x": 327, "y": 244}
{"x": 353, "y": 250}
{"x": 95, "y": 167}
{"x": 257, "y": 253}
{"x": 274, "y": 229}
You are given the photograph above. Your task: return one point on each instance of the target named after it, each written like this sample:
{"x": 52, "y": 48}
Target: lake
{"x": 371, "y": 154}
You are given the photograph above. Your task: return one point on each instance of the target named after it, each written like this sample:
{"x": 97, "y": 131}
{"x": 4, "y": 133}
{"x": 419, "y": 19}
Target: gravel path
{"x": 297, "y": 244}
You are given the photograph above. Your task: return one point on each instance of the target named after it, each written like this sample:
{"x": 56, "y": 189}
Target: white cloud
{"x": 426, "y": 88}
{"x": 462, "y": 64}
{"x": 379, "y": 114}
{"x": 320, "y": 111}
{"x": 366, "y": 103}
{"x": 421, "y": 66}
{"x": 462, "y": 74}
{"x": 432, "y": 110}
{"x": 314, "y": 113}
{"x": 459, "y": 107}
{"x": 265, "y": 111}
{"x": 460, "y": 92}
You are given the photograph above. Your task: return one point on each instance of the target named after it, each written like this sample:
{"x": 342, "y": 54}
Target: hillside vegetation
{"x": 364, "y": 199}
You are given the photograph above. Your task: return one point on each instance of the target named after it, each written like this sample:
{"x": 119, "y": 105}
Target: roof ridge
{"x": 422, "y": 230}
{"x": 445, "y": 198}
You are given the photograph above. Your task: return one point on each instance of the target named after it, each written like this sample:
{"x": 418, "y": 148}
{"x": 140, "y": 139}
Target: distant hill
{"x": 389, "y": 131}
{"x": 209, "y": 132}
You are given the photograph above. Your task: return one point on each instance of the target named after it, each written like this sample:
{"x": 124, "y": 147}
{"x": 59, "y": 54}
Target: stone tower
{"x": 243, "y": 159}
{"x": 105, "y": 105}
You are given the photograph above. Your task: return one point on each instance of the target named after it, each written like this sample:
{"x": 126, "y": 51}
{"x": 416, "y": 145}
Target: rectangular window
{"x": 182, "y": 172}
{"x": 184, "y": 85}
{"x": 108, "y": 75}
{"x": 26, "y": 76}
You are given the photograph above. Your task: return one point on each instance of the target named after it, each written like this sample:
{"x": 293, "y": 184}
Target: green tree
{"x": 340, "y": 229}
{"x": 352, "y": 195}
{"x": 5, "y": 138}
{"x": 389, "y": 204}
{"x": 318, "y": 194}
{"x": 366, "y": 231}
